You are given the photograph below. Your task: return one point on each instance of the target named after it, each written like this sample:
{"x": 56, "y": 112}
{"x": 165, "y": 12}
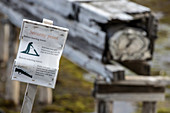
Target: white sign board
{"x": 40, "y": 49}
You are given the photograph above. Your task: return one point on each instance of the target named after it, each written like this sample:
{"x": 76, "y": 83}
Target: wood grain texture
{"x": 29, "y": 98}
{"x": 130, "y": 44}
{"x": 87, "y": 52}
{"x": 88, "y": 22}
{"x": 134, "y": 97}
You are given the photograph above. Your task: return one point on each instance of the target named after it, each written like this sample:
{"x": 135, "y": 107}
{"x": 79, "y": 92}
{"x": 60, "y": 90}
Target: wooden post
{"x": 29, "y": 98}
{"x": 12, "y": 87}
{"x": 103, "y": 106}
{"x": 4, "y": 37}
{"x": 45, "y": 95}
{"x": 149, "y": 107}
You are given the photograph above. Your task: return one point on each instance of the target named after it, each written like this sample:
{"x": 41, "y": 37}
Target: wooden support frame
{"x": 146, "y": 89}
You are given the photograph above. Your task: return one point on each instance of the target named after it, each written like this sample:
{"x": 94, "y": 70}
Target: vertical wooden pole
{"x": 45, "y": 94}
{"x": 29, "y": 98}
{"x": 4, "y": 41}
{"x": 104, "y": 106}
{"x": 149, "y": 107}
{"x": 12, "y": 87}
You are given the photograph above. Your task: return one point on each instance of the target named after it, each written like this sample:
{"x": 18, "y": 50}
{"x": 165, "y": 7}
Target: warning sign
{"x": 40, "y": 49}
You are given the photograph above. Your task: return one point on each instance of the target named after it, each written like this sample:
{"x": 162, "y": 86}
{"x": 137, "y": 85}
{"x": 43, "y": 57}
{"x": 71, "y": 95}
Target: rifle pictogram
{"x": 20, "y": 71}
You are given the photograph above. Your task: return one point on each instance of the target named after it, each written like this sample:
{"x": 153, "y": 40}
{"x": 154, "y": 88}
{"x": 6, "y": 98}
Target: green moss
{"x": 164, "y": 110}
{"x": 72, "y": 93}
{"x": 163, "y": 34}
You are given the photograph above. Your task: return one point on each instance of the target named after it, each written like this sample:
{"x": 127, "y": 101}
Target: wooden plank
{"x": 149, "y": 107}
{"x": 134, "y": 97}
{"x": 79, "y": 33}
{"x": 157, "y": 81}
{"x": 91, "y": 65}
{"x": 29, "y": 98}
{"x": 139, "y": 67}
{"x": 113, "y": 88}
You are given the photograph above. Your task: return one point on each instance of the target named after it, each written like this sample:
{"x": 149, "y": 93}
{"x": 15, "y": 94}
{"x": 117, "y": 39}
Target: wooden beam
{"x": 157, "y": 81}
{"x": 129, "y": 44}
{"x": 139, "y": 67}
{"x": 134, "y": 97}
{"x": 108, "y": 89}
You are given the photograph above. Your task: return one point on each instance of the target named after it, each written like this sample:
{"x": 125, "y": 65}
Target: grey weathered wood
{"x": 134, "y": 97}
{"x": 130, "y": 44}
{"x": 12, "y": 87}
{"x": 4, "y": 38}
{"x": 149, "y": 107}
{"x": 157, "y": 81}
{"x": 91, "y": 65}
{"x": 45, "y": 95}
{"x": 80, "y": 33}
{"x": 88, "y": 22}
{"x": 103, "y": 106}
{"x": 29, "y": 98}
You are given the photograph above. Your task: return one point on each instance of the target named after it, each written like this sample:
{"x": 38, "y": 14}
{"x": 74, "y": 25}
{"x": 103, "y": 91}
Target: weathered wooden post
{"x": 37, "y": 61}
{"x": 45, "y": 95}
{"x": 4, "y": 37}
{"x": 149, "y": 107}
{"x": 103, "y": 106}
{"x": 8, "y": 43}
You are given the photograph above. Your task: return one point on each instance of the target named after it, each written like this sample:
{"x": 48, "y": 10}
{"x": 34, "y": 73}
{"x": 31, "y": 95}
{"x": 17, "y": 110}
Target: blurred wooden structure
{"x": 95, "y": 27}
{"x": 8, "y": 51}
{"x": 148, "y": 90}
{"x": 102, "y": 32}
